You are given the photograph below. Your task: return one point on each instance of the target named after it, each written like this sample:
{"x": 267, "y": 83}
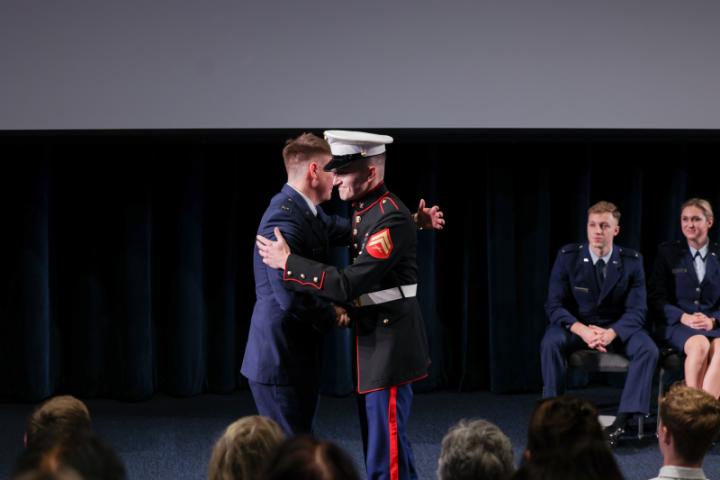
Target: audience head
{"x": 78, "y": 455}
{"x": 57, "y": 417}
{"x": 305, "y": 458}
{"x": 244, "y": 449}
{"x": 689, "y": 421}
{"x": 588, "y": 459}
{"x": 561, "y": 421}
{"x": 475, "y": 449}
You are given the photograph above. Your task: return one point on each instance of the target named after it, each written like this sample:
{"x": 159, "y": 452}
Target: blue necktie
{"x": 600, "y": 272}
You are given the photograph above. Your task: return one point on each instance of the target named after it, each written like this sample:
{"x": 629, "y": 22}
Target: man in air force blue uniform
{"x": 282, "y": 356}
{"x": 597, "y": 300}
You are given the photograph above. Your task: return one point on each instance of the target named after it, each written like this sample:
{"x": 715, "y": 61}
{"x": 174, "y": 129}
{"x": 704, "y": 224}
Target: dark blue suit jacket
{"x": 674, "y": 289}
{"x": 573, "y": 293}
{"x": 285, "y": 338}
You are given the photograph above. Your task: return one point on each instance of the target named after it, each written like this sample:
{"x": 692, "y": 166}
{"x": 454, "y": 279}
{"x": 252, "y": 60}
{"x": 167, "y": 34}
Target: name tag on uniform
{"x": 679, "y": 270}
{"x": 581, "y": 289}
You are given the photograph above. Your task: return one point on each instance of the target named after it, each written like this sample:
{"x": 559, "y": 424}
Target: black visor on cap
{"x": 342, "y": 161}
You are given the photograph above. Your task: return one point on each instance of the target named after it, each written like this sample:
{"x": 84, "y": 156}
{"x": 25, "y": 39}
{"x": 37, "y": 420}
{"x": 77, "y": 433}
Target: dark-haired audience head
{"x": 57, "y": 417}
{"x": 78, "y": 455}
{"x": 305, "y": 458}
{"x": 588, "y": 459}
{"x": 689, "y": 421}
{"x": 561, "y": 421}
{"x": 63, "y": 474}
{"x": 475, "y": 449}
{"x": 243, "y": 451}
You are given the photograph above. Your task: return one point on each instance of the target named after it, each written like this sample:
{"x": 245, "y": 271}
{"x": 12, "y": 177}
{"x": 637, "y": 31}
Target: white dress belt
{"x": 388, "y": 295}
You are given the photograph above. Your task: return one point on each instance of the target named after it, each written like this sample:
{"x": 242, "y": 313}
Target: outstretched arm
{"x": 426, "y": 218}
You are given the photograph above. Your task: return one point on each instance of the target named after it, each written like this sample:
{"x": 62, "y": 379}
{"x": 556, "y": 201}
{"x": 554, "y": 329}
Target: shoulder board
{"x": 388, "y": 204}
{"x": 572, "y": 248}
{"x": 287, "y": 205}
{"x": 629, "y": 252}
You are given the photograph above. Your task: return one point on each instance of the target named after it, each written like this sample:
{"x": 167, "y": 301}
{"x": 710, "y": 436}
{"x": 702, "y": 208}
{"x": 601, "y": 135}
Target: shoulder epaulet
{"x": 628, "y": 252}
{"x": 388, "y": 205}
{"x": 287, "y": 205}
{"x": 571, "y": 248}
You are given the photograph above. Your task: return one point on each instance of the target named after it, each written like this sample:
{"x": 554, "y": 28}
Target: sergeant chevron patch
{"x": 380, "y": 244}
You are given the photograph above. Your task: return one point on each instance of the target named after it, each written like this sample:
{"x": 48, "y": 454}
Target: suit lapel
{"x": 613, "y": 273}
{"x": 303, "y": 210}
{"x": 711, "y": 265}
{"x": 686, "y": 261}
{"x": 585, "y": 271}
{"x": 317, "y": 225}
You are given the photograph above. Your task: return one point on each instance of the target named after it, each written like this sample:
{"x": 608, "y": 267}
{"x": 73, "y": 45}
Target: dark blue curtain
{"x": 126, "y": 256}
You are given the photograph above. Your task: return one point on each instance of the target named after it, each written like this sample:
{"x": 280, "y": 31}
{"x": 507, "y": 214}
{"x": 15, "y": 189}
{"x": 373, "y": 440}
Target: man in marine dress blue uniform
{"x": 597, "y": 300}
{"x": 391, "y": 349}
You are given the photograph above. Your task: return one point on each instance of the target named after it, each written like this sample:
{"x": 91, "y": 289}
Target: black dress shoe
{"x": 614, "y": 432}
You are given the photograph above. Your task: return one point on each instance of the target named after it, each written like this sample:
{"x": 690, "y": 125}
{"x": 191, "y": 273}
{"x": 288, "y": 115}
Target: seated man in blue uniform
{"x": 391, "y": 345}
{"x": 283, "y": 352}
{"x": 597, "y": 300}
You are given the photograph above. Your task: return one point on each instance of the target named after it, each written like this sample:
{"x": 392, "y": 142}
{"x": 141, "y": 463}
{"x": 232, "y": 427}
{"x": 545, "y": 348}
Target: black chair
{"x": 593, "y": 361}
{"x": 670, "y": 361}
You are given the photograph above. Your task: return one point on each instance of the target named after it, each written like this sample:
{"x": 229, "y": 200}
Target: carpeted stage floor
{"x": 171, "y": 438}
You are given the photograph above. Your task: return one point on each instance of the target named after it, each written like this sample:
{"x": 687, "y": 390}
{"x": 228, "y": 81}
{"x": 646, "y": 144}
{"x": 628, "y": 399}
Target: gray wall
{"x": 293, "y": 64}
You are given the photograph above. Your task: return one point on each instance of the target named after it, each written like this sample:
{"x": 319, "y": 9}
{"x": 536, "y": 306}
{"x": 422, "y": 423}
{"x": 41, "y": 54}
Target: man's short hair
{"x": 692, "y": 417}
{"x": 59, "y": 416}
{"x": 245, "y": 448}
{"x": 605, "y": 207}
{"x": 299, "y": 150}
{"x": 561, "y": 421}
{"x": 475, "y": 449}
{"x": 700, "y": 203}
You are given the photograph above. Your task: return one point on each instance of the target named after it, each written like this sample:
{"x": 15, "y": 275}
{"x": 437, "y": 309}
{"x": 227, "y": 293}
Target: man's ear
{"x": 665, "y": 435}
{"x": 312, "y": 171}
{"x": 372, "y": 172}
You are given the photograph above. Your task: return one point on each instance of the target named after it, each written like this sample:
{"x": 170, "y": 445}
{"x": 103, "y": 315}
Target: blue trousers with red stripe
{"x": 384, "y": 416}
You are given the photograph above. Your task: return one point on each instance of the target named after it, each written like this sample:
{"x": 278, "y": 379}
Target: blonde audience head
{"x": 57, "y": 417}
{"x": 244, "y": 449}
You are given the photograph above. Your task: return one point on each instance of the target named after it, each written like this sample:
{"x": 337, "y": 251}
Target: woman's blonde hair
{"x": 244, "y": 449}
{"x": 700, "y": 203}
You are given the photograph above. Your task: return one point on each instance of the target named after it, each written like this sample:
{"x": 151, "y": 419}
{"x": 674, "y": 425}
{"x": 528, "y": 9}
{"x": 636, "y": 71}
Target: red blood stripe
{"x": 392, "y": 429}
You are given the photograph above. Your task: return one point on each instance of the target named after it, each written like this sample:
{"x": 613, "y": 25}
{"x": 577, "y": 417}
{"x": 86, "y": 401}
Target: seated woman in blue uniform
{"x": 684, "y": 289}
